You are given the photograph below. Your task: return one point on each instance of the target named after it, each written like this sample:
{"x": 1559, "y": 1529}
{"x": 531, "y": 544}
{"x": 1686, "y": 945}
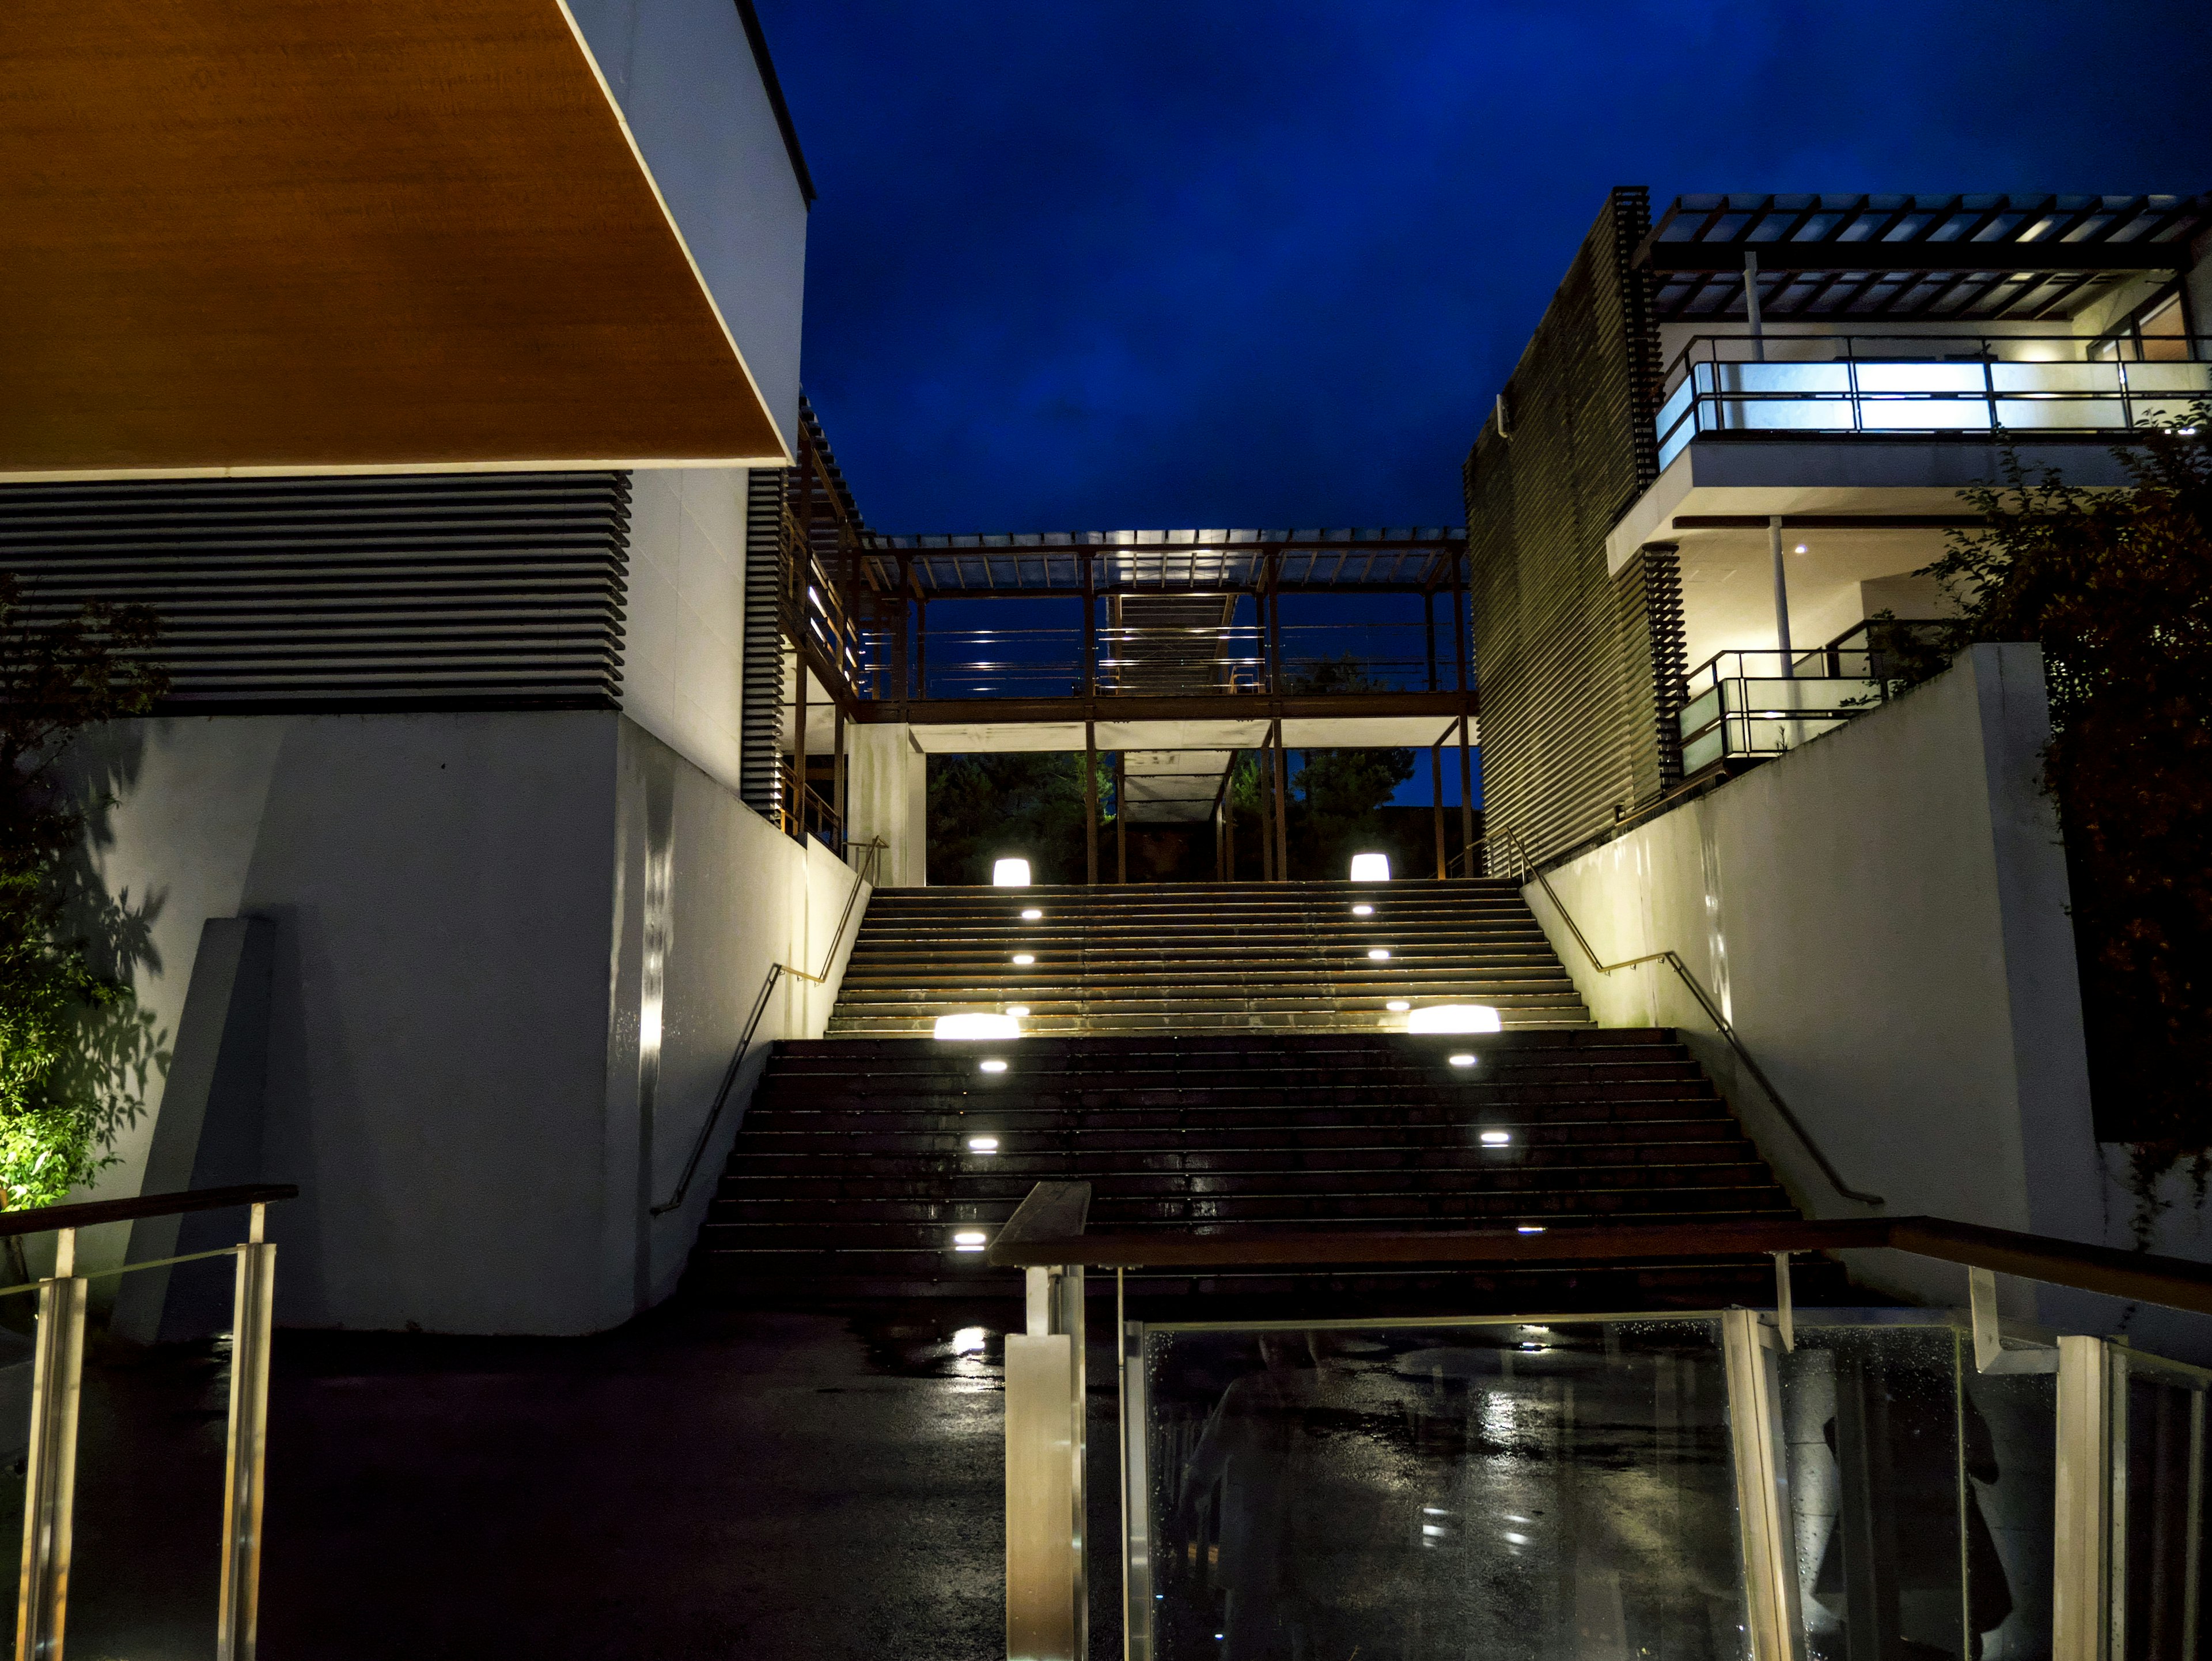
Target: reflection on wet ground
{"x": 702, "y": 1482}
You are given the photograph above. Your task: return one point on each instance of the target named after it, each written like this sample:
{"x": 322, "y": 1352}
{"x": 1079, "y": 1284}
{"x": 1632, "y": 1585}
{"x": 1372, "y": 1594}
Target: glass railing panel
{"x": 1701, "y": 711}
{"x": 2158, "y": 1455}
{"x": 1796, "y": 379}
{"x": 1881, "y": 414}
{"x": 2071, "y": 414}
{"x": 1920, "y": 378}
{"x": 1775, "y": 415}
{"x": 1921, "y": 1496}
{"x": 1522, "y": 1490}
{"x": 2187, "y": 379}
{"x": 2099, "y": 380}
{"x": 153, "y": 1423}
{"x": 1703, "y": 750}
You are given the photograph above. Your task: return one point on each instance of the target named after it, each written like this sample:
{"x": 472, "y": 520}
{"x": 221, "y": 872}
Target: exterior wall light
{"x": 1381, "y": 954}
{"x": 994, "y": 1065}
{"x": 1031, "y": 915}
{"x": 1464, "y": 1060}
{"x": 982, "y": 1144}
{"x": 1363, "y": 911}
{"x": 1371, "y": 867}
{"x": 1496, "y": 1138}
{"x": 1023, "y": 959}
{"x": 1454, "y": 1017}
{"x": 977, "y": 1024}
{"x": 968, "y": 1240}
{"x": 1397, "y": 1006}
{"x": 1009, "y": 873}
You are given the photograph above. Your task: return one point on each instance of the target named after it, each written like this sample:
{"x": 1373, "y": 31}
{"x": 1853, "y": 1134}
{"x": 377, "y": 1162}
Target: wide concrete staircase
{"x": 1222, "y": 1058}
{"x": 1199, "y": 958}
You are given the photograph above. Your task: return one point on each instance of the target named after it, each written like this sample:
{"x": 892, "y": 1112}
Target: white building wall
{"x": 684, "y": 633}
{"x": 683, "y": 76}
{"x": 472, "y": 911}
{"x": 1882, "y": 916}
{"x": 886, "y": 783}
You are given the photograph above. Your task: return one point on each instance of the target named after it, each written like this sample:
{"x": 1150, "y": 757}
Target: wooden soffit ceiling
{"x": 298, "y": 236}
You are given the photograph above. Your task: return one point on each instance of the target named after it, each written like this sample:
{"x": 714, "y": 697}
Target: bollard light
{"x": 1011, "y": 874}
{"x": 1371, "y": 867}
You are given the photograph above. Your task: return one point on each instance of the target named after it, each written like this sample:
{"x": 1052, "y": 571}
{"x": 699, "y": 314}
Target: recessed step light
{"x": 982, "y": 1144}
{"x": 994, "y": 1065}
{"x": 1379, "y": 953}
{"x": 1496, "y": 1138}
{"x": 1022, "y": 960}
{"x": 970, "y": 1239}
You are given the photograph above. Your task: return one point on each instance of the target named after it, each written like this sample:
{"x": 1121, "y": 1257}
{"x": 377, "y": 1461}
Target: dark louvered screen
{"x": 761, "y": 739}
{"x": 1567, "y": 717}
{"x": 421, "y": 590}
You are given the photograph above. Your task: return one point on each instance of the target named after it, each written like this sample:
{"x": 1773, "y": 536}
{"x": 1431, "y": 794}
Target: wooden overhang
{"x": 269, "y": 237}
{"x": 1189, "y": 706}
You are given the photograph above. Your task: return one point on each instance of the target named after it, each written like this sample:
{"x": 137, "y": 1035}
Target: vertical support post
{"x": 1120, "y": 824}
{"x": 1429, "y": 615}
{"x": 1282, "y": 809}
{"x": 1437, "y": 796}
{"x": 1465, "y": 798}
{"x": 50, "y": 1472}
{"x": 1090, "y": 629}
{"x": 1265, "y": 808}
{"x": 1228, "y": 821}
{"x": 837, "y": 774}
{"x": 252, "y": 1308}
{"x": 901, "y": 660}
{"x": 920, "y": 649}
{"x": 1091, "y": 803}
{"x": 798, "y": 746}
{"x": 2082, "y": 1579}
{"x": 1138, "y": 1642}
{"x": 1751, "y": 304}
{"x": 1046, "y": 1601}
{"x": 1770, "y": 1556}
{"x": 1781, "y": 594}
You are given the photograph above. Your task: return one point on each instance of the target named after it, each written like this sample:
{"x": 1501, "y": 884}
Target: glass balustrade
{"x": 1935, "y": 384}
{"x": 1858, "y": 1487}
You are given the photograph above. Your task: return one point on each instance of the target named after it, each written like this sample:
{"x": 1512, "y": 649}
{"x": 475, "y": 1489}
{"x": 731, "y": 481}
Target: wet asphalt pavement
{"x": 703, "y": 1483}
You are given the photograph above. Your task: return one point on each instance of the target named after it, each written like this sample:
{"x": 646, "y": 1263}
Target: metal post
{"x": 1282, "y": 809}
{"x": 798, "y": 745}
{"x": 838, "y": 773}
{"x": 2081, "y": 1588}
{"x": 1429, "y": 615}
{"x": 1465, "y": 798}
{"x": 50, "y": 1472}
{"x": 1770, "y": 1556}
{"x": 1046, "y": 1601}
{"x": 1138, "y": 1605}
{"x": 1091, "y": 803}
{"x": 1437, "y": 795}
{"x": 252, "y": 1309}
{"x": 1781, "y": 593}
{"x": 1751, "y": 304}
{"x": 1120, "y": 824}
{"x": 920, "y": 649}
{"x": 1267, "y": 783}
{"x": 1090, "y": 631}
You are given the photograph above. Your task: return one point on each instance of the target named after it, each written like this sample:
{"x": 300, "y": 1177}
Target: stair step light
{"x": 1371, "y": 867}
{"x": 977, "y": 1023}
{"x": 1454, "y": 1017}
{"x": 1009, "y": 873}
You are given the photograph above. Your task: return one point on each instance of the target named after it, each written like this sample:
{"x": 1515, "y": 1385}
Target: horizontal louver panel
{"x": 477, "y": 590}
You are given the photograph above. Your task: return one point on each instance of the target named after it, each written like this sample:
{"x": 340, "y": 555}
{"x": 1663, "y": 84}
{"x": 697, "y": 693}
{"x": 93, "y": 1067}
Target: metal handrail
{"x": 87, "y": 1213}
{"x": 872, "y": 851}
{"x": 1712, "y": 1010}
{"x": 1048, "y": 1229}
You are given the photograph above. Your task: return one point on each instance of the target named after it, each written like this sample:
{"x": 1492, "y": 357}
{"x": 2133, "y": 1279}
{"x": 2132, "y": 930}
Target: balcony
{"x": 1751, "y": 705}
{"x": 1897, "y": 385}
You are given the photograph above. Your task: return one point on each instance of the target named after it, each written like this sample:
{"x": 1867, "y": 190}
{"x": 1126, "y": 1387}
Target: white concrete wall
{"x": 886, "y": 783}
{"x": 1882, "y": 916}
{"x": 684, "y": 630}
{"x": 684, "y": 78}
{"x": 472, "y": 914}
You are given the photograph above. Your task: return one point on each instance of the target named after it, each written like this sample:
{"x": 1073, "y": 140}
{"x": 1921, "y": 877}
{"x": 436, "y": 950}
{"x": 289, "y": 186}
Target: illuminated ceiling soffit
{"x": 271, "y": 236}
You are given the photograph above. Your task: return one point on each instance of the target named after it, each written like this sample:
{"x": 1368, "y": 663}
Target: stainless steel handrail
{"x": 1721, "y": 1023}
{"x": 865, "y": 876}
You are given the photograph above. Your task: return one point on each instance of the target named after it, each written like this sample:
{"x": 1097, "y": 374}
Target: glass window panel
{"x": 1513, "y": 1491}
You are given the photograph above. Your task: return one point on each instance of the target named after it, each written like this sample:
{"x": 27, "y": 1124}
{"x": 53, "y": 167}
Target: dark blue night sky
{"x": 1085, "y": 266}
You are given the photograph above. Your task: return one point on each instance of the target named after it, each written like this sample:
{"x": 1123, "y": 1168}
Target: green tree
{"x": 58, "y": 1116}
{"x": 2115, "y": 585}
{"x": 1024, "y": 805}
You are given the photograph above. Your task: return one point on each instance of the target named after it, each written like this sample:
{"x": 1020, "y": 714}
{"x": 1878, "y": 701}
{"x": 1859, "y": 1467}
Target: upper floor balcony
{"x": 1896, "y": 383}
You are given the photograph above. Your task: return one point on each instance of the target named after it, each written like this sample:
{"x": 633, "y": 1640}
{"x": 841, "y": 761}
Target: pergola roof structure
{"x": 1417, "y": 560}
{"x": 1932, "y": 258}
